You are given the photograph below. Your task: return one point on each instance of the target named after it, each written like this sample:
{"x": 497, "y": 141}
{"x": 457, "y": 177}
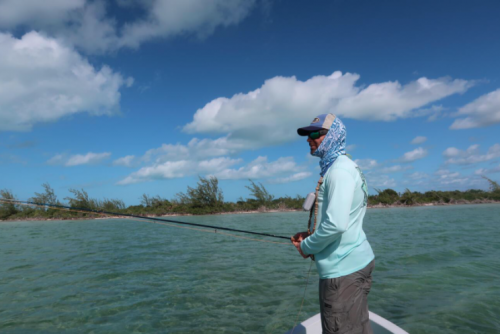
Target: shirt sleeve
{"x": 339, "y": 194}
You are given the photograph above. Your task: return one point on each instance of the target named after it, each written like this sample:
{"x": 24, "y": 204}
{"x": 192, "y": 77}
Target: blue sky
{"x": 126, "y": 97}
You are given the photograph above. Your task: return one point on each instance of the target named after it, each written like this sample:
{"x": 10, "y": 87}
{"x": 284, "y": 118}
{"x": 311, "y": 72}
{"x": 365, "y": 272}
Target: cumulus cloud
{"x": 414, "y": 155}
{"x": 219, "y": 167}
{"x": 177, "y": 169}
{"x": 127, "y": 161}
{"x": 14, "y": 13}
{"x": 446, "y": 177}
{"x": 395, "y": 169}
{"x": 434, "y": 112}
{"x": 418, "y": 176}
{"x": 291, "y": 178}
{"x": 419, "y": 140}
{"x": 283, "y": 104}
{"x": 486, "y": 171}
{"x": 470, "y": 156}
{"x": 454, "y": 152}
{"x": 350, "y": 148}
{"x": 484, "y": 111}
{"x": 42, "y": 80}
{"x": 198, "y": 149}
{"x": 81, "y": 23}
{"x": 89, "y": 29}
{"x": 170, "y": 17}
{"x": 389, "y": 101}
{"x": 79, "y": 159}
{"x": 88, "y": 25}
{"x": 260, "y": 168}
{"x": 380, "y": 181}
{"x": 207, "y": 157}
{"x": 366, "y": 164}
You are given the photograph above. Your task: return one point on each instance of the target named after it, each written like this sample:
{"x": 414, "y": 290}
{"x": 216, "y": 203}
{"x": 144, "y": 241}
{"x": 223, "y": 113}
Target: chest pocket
{"x": 364, "y": 186}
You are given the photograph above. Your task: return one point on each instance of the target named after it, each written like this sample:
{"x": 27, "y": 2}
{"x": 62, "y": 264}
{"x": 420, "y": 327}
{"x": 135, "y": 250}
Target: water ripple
{"x": 437, "y": 271}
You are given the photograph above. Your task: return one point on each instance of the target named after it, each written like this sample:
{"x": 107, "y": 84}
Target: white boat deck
{"x": 379, "y": 326}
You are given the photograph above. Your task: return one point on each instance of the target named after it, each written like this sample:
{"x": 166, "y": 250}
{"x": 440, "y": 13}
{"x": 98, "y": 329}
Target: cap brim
{"x": 305, "y": 131}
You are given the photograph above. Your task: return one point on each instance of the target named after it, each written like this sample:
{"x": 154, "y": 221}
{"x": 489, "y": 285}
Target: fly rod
{"x": 58, "y": 206}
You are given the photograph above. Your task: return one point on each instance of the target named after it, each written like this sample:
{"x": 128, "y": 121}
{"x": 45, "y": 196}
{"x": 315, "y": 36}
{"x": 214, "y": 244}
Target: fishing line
{"x": 303, "y": 298}
{"x": 161, "y": 221}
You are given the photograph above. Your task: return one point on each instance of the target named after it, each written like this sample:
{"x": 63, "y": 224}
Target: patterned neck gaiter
{"x": 332, "y": 146}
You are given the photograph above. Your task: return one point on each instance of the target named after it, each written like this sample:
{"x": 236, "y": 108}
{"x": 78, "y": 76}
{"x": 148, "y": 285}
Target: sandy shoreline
{"x": 151, "y": 216}
{"x": 453, "y": 202}
{"x": 377, "y": 206}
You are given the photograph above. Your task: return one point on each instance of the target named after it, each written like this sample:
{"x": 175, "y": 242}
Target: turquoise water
{"x": 437, "y": 271}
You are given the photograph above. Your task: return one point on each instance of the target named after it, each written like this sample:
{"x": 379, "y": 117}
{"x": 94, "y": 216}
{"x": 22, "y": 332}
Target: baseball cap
{"x": 323, "y": 121}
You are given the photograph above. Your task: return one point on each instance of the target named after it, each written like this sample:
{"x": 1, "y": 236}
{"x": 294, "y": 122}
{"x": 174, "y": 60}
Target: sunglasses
{"x": 317, "y": 134}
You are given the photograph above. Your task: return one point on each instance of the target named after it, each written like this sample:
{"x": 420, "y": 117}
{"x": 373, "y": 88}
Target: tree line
{"x": 408, "y": 197}
{"x": 207, "y": 198}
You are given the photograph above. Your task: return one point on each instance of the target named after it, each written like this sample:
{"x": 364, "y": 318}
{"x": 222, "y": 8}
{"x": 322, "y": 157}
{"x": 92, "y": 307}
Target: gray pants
{"x": 344, "y": 302}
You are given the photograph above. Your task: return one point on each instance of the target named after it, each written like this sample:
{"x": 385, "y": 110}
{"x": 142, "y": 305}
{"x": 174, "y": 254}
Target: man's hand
{"x": 297, "y": 239}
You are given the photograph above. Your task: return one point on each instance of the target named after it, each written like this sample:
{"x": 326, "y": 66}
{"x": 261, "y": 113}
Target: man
{"x": 343, "y": 256}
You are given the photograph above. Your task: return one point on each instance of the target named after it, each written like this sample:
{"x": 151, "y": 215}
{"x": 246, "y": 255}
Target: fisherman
{"x": 344, "y": 258}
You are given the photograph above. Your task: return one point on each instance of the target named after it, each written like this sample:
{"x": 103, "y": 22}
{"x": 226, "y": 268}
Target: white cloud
{"x": 449, "y": 175}
{"x": 483, "y": 111}
{"x": 389, "y": 101}
{"x": 198, "y": 157}
{"x": 435, "y": 112}
{"x": 419, "y": 140}
{"x": 270, "y": 114}
{"x": 177, "y": 169}
{"x": 89, "y": 29}
{"x": 442, "y": 172}
{"x": 414, "y": 155}
{"x": 291, "y": 178}
{"x": 418, "y": 176}
{"x": 455, "y": 180}
{"x": 481, "y": 171}
{"x": 350, "y": 148}
{"x": 38, "y": 13}
{"x": 260, "y": 168}
{"x": 42, "y": 80}
{"x": 79, "y": 159}
{"x": 219, "y": 167}
{"x": 88, "y": 26}
{"x": 395, "y": 169}
{"x": 276, "y": 109}
{"x": 127, "y": 161}
{"x": 470, "y": 156}
{"x": 197, "y": 149}
{"x": 167, "y": 18}
{"x": 486, "y": 171}
{"x": 380, "y": 181}
{"x": 208, "y": 157}
{"x": 452, "y": 178}
{"x": 89, "y": 158}
{"x": 366, "y": 164}
{"x": 81, "y": 23}
{"x": 58, "y": 159}
{"x": 453, "y": 152}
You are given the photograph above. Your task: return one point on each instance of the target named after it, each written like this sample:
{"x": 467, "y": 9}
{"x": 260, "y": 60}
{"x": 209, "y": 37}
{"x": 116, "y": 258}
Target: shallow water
{"x": 437, "y": 271}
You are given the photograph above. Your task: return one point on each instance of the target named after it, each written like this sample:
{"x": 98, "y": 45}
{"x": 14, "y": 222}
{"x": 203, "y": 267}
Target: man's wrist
{"x": 302, "y": 249}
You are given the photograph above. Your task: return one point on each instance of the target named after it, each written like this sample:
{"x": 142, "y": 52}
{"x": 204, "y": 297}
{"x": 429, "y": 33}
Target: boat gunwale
{"x": 375, "y": 318}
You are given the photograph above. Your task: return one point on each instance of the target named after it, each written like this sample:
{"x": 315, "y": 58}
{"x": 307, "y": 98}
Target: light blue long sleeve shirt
{"x": 339, "y": 243}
